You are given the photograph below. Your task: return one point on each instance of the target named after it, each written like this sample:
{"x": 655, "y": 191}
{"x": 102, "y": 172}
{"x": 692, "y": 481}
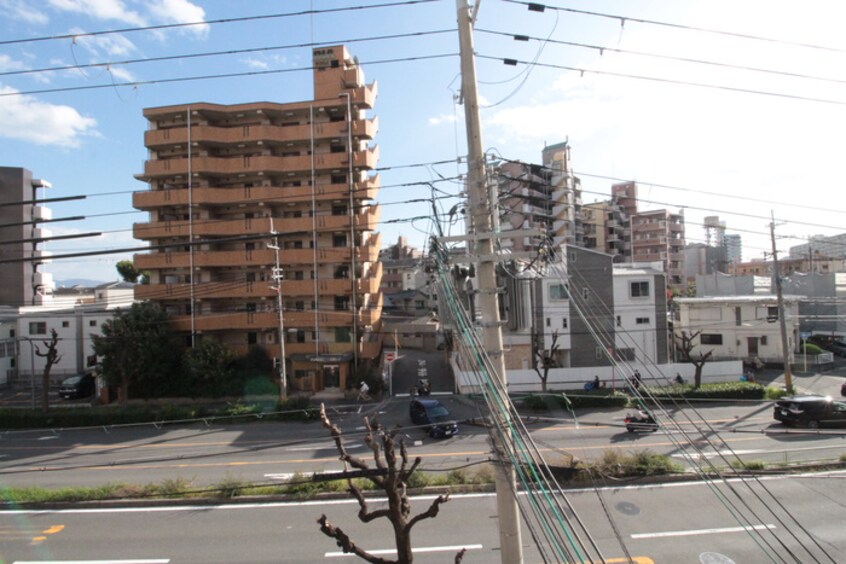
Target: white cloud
{"x": 443, "y": 118}
{"x": 101, "y": 10}
{"x": 104, "y": 45}
{"x": 255, "y": 64}
{"x": 25, "y": 118}
{"x": 7, "y": 63}
{"x": 180, "y": 11}
{"x": 19, "y": 10}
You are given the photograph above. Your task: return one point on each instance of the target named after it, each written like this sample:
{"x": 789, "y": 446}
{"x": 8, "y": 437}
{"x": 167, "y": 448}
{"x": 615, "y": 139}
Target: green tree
{"x": 139, "y": 352}
{"x": 129, "y": 273}
{"x": 210, "y": 366}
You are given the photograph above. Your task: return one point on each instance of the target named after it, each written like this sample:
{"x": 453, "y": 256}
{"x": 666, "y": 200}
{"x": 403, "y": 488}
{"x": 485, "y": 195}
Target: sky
{"x": 749, "y": 147}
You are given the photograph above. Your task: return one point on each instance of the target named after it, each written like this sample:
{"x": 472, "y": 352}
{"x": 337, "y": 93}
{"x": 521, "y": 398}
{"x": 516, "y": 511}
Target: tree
{"x": 211, "y": 370}
{"x": 127, "y": 271}
{"x": 391, "y": 475}
{"x": 544, "y": 360}
{"x": 686, "y": 345}
{"x": 139, "y": 352}
{"x": 51, "y": 357}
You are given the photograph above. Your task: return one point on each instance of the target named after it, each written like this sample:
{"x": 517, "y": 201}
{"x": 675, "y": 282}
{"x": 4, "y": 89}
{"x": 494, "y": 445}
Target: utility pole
{"x": 277, "y": 276}
{"x": 509, "y": 517}
{"x": 788, "y": 375}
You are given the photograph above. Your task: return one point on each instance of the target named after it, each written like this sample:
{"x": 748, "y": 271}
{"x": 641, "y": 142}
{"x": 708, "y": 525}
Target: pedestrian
{"x": 679, "y": 379}
{"x": 596, "y": 383}
{"x": 363, "y": 388}
{"x": 636, "y": 380}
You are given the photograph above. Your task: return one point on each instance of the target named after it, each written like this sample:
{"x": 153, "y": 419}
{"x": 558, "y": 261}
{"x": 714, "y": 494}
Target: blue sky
{"x": 733, "y": 154}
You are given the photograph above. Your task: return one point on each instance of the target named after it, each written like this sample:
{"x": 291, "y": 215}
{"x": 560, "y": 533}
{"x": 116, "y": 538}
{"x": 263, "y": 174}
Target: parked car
{"x": 80, "y": 386}
{"x": 829, "y": 343}
{"x": 843, "y": 389}
{"x": 433, "y": 417}
{"x": 812, "y": 411}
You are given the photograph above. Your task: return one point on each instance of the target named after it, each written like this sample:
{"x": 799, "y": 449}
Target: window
{"x": 772, "y": 314}
{"x": 342, "y": 303}
{"x": 642, "y": 321}
{"x": 37, "y": 327}
{"x": 548, "y": 322}
{"x": 92, "y": 323}
{"x": 586, "y": 293}
{"x": 558, "y": 292}
{"x": 252, "y": 338}
{"x": 564, "y": 322}
{"x": 639, "y": 289}
{"x": 65, "y": 323}
{"x": 711, "y": 339}
{"x": 737, "y": 317}
{"x": 764, "y": 341}
{"x": 619, "y": 321}
{"x": 342, "y": 335}
{"x": 625, "y": 354}
{"x": 339, "y": 240}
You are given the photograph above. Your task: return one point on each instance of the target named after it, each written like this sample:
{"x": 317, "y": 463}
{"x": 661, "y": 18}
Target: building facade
{"x": 567, "y": 221}
{"x": 659, "y": 236}
{"x": 21, "y": 226}
{"x": 641, "y": 328}
{"x": 235, "y": 190}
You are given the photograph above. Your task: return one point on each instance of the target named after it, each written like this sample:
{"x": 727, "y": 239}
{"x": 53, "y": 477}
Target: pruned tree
{"x": 127, "y": 271}
{"x": 390, "y": 474}
{"x": 545, "y": 360}
{"x": 51, "y": 357}
{"x": 686, "y": 345}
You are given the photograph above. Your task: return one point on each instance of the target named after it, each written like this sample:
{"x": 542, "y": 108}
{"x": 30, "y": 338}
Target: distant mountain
{"x": 70, "y": 282}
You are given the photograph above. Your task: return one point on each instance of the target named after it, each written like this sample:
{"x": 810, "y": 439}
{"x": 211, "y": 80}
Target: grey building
{"x": 23, "y": 283}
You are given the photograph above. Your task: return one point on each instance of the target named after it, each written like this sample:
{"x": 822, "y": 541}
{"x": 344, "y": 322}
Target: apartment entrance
{"x": 331, "y": 376}
{"x": 752, "y": 345}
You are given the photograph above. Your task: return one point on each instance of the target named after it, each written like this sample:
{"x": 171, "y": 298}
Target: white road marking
{"x": 327, "y": 447}
{"x": 146, "y": 561}
{"x": 414, "y": 550}
{"x": 695, "y": 532}
{"x": 695, "y": 456}
{"x": 48, "y": 438}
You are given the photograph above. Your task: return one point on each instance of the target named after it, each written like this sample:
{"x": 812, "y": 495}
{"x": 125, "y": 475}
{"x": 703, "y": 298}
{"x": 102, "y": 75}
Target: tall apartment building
{"x": 605, "y": 229}
{"x": 567, "y": 221}
{"x": 734, "y": 248}
{"x": 23, "y": 283}
{"x": 235, "y": 188}
{"x": 659, "y": 236}
{"x": 525, "y": 203}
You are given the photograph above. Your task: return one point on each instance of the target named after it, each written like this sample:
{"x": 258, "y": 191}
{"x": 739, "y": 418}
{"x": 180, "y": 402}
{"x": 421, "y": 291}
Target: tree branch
{"x": 346, "y": 544}
{"x": 363, "y": 514}
{"x": 429, "y": 513}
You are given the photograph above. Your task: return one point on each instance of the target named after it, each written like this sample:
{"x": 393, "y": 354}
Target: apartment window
{"x": 764, "y": 341}
{"x": 65, "y": 323}
{"x": 251, "y": 306}
{"x": 339, "y": 179}
{"x": 737, "y": 317}
{"x": 299, "y": 305}
{"x": 339, "y": 240}
{"x": 252, "y": 338}
{"x": 298, "y": 275}
{"x": 558, "y": 292}
{"x": 619, "y": 321}
{"x": 564, "y": 322}
{"x": 37, "y": 327}
{"x": 548, "y": 322}
{"x": 342, "y": 303}
{"x": 599, "y": 353}
{"x": 625, "y": 354}
{"x": 639, "y": 289}
{"x": 711, "y": 339}
{"x": 586, "y": 293}
{"x": 300, "y": 336}
{"x": 342, "y": 335}
{"x": 339, "y": 210}
{"x": 642, "y": 321}
{"x": 772, "y": 313}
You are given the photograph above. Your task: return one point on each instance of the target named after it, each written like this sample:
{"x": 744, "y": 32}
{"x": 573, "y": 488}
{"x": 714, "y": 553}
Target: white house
{"x": 740, "y": 327}
{"x": 25, "y": 330}
{"x": 640, "y": 309}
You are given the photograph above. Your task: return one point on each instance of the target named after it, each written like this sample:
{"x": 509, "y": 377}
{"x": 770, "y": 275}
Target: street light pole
{"x": 277, "y": 277}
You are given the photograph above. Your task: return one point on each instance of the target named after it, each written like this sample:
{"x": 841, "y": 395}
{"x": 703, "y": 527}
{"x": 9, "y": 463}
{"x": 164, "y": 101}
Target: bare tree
{"x": 51, "y": 357}
{"x": 544, "y": 360}
{"x": 698, "y": 360}
{"x": 391, "y": 474}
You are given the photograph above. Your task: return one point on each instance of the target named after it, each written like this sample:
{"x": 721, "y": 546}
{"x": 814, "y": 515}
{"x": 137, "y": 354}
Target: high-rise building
{"x": 21, "y": 237}
{"x": 235, "y": 190}
{"x": 734, "y": 248}
{"x": 525, "y": 203}
{"x": 659, "y": 236}
{"x": 567, "y": 221}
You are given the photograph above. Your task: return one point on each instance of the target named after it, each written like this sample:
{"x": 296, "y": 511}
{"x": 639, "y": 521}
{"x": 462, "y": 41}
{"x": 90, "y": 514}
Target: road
{"x": 661, "y": 524}
{"x": 268, "y": 451}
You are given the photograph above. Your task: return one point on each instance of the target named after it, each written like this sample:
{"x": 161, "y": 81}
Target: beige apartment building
{"x": 659, "y": 236}
{"x": 269, "y": 184}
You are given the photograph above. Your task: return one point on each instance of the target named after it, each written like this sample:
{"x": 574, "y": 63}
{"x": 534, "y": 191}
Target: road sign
{"x": 390, "y": 356}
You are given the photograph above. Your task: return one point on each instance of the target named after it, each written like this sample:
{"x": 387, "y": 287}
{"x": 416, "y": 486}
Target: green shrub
{"x": 738, "y": 464}
{"x": 617, "y": 464}
{"x": 719, "y": 390}
{"x": 811, "y": 348}
{"x": 774, "y": 393}
{"x": 537, "y": 402}
{"x": 593, "y": 398}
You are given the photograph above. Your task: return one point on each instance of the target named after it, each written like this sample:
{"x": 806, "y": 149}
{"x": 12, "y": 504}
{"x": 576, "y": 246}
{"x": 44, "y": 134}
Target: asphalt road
{"x": 685, "y": 522}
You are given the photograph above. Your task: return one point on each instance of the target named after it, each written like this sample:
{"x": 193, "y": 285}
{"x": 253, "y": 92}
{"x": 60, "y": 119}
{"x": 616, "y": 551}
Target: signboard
{"x": 390, "y": 356}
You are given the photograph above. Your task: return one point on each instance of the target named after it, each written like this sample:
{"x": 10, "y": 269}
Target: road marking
{"x": 414, "y": 550}
{"x": 110, "y": 561}
{"x": 696, "y": 456}
{"x": 695, "y": 532}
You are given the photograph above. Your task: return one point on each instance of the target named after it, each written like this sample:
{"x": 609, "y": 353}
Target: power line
{"x": 536, "y": 7}
{"x": 75, "y": 36}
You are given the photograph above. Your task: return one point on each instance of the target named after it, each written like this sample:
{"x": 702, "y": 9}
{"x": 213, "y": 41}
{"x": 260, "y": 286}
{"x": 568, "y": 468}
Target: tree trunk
{"x": 45, "y": 388}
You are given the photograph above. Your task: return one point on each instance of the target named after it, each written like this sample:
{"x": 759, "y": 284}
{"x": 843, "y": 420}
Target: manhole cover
{"x": 627, "y": 508}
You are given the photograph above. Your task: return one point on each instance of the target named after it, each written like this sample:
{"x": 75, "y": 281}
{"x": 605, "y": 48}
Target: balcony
{"x": 157, "y": 139}
{"x": 153, "y": 199}
{"x": 232, "y": 166}
{"x": 42, "y": 212}
{"x": 269, "y": 320}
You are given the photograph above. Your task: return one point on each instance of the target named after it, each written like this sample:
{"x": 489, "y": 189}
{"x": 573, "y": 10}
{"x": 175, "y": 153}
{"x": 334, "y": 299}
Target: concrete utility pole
{"x": 509, "y": 517}
{"x": 277, "y": 276}
{"x": 788, "y": 375}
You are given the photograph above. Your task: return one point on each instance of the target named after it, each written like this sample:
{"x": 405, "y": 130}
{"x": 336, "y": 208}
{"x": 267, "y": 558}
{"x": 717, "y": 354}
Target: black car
{"x": 812, "y": 411}
{"x": 433, "y": 417}
{"x": 843, "y": 389}
{"x": 80, "y": 386}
